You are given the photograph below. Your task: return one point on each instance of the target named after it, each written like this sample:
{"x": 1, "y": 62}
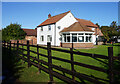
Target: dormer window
{"x": 49, "y": 27}
{"x": 59, "y": 27}
{"x": 41, "y": 28}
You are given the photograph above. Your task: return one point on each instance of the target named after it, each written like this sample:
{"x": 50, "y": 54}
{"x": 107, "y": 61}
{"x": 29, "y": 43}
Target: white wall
{"x": 94, "y": 39}
{"x": 45, "y": 32}
{"x": 66, "y": 21}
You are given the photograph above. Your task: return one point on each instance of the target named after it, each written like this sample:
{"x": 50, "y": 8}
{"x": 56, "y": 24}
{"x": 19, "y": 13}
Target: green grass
{"x": 31, "y": 74}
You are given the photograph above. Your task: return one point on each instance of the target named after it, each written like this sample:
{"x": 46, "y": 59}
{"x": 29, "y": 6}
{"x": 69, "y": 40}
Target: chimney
{"x": 49, "y": 15}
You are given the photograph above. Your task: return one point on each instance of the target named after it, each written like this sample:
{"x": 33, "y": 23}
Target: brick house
{"x": 31, "y": 34}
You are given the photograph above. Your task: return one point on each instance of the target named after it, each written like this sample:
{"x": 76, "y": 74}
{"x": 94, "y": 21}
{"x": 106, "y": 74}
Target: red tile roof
{"x": 98, "y": 32}
{"x": 53, "y": 19}
{"x": 86, "y": 22}
{"x": 30, "y": 32}
{"x": 77, "y": 26}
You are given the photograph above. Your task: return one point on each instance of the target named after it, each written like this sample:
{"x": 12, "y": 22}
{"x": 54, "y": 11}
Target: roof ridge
{"x": 28, "y": 29}
{"x": 83, "y": 19}
{"x": 61, "y": 13}
{"x": 82, "y": 26}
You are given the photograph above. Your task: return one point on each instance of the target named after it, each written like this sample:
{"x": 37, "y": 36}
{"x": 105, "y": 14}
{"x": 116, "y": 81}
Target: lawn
{"x": 31, "y": 74}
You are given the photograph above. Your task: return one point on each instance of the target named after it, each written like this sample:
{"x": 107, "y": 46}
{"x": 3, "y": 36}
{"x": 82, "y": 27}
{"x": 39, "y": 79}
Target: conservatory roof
{"x": 77, "y": 26}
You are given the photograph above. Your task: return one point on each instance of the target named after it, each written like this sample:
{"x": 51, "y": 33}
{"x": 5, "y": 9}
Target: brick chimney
{"x": 49, "y": 15}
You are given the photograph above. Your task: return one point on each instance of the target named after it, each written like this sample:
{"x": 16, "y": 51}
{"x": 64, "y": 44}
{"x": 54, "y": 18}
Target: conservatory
{"x": 77, "y": 35}
{"x": 77, "y": 39}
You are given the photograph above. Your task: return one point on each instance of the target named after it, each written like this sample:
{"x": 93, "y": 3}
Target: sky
{"x": 31, "y": 14}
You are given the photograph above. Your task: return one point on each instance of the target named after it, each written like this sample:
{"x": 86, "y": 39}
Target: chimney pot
{"x": 49, "y": 15}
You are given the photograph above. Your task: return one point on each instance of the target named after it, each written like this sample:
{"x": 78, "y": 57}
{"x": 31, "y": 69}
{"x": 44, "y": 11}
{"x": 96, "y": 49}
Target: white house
{"x": 65, "y": 30}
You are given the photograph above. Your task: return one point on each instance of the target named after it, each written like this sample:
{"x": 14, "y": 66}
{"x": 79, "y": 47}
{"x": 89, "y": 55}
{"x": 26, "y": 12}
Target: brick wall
{"x": 77, "y": 45}
{"x": 23, "y": 42}
{"x": 33, "y": 38}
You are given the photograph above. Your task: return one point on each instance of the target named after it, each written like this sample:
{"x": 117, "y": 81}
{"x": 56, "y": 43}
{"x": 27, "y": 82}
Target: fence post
{"x": 4, "y": 44}
{"x": 17, "y": 48}
{"x": 38, "y": 58}
{"x": 110, "y": 56}
{"x": 17, "y": 45}
{"x": 14, "y": 45}
{"x": 28, "y": 53}
{"x": 72, "y": 64}
{"x": 10, "y": 46}
{"x": 7, "y": 45}
{"x": 49, "y": 61}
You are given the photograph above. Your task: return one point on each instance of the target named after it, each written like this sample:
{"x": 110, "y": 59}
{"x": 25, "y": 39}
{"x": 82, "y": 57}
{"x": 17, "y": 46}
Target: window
{"x": 49, "y": 27}
{"x": 41, "y": 28}
{"x": 74, "y": 37}
{"x": 88, "y": 37}
{"x": 68, "y": 38}
{"x": 42, "y": 38}
{"x": 80, "y": 33}
{"x": 87, "y": 34}
{"x": 59, "y": 27}
{"x": 80, "y": 38}
{"x": 64, "y": 37}
{"x": 49, "y": 38}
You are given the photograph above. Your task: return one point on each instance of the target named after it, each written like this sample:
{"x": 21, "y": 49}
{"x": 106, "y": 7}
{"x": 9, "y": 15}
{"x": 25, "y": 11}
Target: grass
{"x": 31, "y": 74}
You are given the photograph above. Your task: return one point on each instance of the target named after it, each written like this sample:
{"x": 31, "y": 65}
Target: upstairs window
{"x": 49, "y": 27}
{"x": 59, "y": 27}
{"x": 41, "y": 28}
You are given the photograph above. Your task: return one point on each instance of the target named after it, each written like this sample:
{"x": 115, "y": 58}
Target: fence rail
{"x": 37, "y": 62}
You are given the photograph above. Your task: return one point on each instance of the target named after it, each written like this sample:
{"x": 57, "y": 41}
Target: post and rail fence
{"x": 74, "y": 74}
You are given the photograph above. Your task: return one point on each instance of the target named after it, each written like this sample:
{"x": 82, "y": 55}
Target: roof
{"x": 53, "y": 19}
{"x": 98, "y": 32}
{"x": 77, "y": 26}
{"x": 30, "y": 32}
{"x": 86, "y": 22}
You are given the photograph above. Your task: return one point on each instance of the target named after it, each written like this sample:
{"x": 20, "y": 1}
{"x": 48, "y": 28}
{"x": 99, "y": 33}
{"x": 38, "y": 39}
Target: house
{"x": 65, "y": 30}
{"x": 31, "y": 34}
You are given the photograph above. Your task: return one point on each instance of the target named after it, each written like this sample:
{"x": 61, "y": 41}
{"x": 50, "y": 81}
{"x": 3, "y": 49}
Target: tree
{"x": 13, "y": 32}
{"x": 109, "y": 31}
{"x": 105, "y": 30}
{"x": 114, "y": 28}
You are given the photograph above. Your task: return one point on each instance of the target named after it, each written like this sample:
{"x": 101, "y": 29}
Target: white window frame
{"x": 41, "y": 38}
{"x": 49, "y": 27}
{"x": 41, "y": 29}
{"x": 82, "y": 34}
{"x": 49, "y": 38}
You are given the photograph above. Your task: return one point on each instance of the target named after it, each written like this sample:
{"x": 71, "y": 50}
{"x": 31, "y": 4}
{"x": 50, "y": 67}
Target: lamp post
{"x": 96, "y": 37}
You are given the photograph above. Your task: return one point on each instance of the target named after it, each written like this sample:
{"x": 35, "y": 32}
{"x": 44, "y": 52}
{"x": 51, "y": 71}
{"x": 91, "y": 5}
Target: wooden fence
{"x": 50, "y": 66}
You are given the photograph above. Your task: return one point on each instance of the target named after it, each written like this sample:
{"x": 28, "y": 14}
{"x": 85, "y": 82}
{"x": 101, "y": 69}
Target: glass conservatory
{"x": 83, "y": 37}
